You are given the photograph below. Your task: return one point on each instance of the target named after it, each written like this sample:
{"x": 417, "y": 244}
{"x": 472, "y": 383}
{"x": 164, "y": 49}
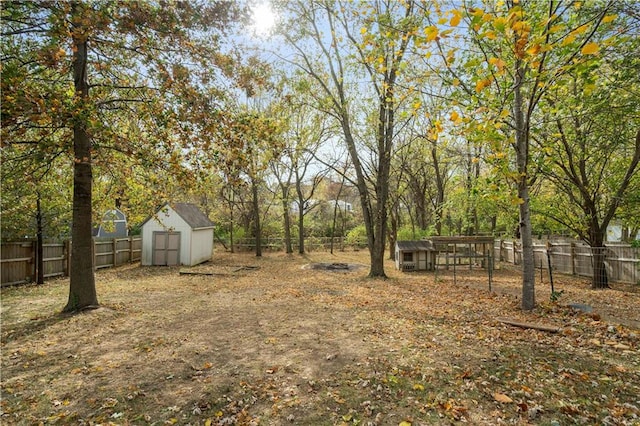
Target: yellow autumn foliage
{"x": 590, "y": 49}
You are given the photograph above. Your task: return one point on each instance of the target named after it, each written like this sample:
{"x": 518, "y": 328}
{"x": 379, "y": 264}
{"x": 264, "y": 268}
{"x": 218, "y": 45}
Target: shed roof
{"x": 420, "y": 245}
{"x": 192, "y": 215}
{"x": 114, "y": 214}
{"x": 189, "y": 212}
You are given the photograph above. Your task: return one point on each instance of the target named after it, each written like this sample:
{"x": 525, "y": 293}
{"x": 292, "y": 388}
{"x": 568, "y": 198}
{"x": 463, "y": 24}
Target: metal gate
{"x": 166, "y": 248}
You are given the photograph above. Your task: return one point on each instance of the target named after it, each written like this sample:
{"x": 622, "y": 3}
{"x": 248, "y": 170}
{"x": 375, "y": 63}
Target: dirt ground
{"x": 273, "y": 341}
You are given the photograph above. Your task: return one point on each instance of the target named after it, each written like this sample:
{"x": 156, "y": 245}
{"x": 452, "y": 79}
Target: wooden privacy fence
{"x": 18, "y": 258}
{"x": 576, "y": 258}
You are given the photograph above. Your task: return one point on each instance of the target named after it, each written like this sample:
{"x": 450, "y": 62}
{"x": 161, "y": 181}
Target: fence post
{"x": 573, "y": 258}
{"x": 34, "y": 261}
{"x": 66, "y": 251}
{"x": 93, "y": 253}
{"x": 515, "y": 251}
{"x": 115, "y": 250}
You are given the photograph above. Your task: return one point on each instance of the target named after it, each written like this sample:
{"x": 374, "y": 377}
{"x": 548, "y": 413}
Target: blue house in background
{"x": 113, "y": 225}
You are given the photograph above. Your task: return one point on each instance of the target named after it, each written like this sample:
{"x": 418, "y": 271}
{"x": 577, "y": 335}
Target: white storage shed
{"x": 177, "y": 234}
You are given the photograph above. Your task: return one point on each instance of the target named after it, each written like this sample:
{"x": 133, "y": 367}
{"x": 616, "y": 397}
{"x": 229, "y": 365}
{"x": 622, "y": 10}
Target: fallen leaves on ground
{"x": 287, "y": 344}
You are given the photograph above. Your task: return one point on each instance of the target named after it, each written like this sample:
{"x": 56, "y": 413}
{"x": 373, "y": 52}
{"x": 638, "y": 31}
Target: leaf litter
{"x": 279, "y": 344}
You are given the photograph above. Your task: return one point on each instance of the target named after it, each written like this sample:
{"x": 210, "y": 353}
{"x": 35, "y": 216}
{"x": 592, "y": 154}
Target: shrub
{"x": 357, "y": 236}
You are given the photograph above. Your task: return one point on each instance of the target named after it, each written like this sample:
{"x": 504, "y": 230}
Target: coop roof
{"x": 420, "y": 245}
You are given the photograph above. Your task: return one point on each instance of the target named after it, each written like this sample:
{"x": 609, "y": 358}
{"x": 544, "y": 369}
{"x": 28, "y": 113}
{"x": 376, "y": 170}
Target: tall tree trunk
{"x": 470, "y": 198}
{"x": 417, "y": 185}
{"x": 232, "y": 224}
{"x": 301, "y": 249}
{"x": 286, "y": 217}
{"x": 301, "y": 212}
{"x": 598, "y": 226}
{"x": 39, "y": 242}
{"x": 257, "y": 230}
{"x": 476, "y": 177}
{"x": 522, "y": 158}
{"x": 377, "y": 262}
{"x": 335, "y": 212}
{"x": 385, "y": 140}
{"x": 439, "y": 202}
{"x": 600, "y": 277}
{"x": 82, "y": 288}
{"x": 528, "y": 263}
{"x": 393, "y": 231}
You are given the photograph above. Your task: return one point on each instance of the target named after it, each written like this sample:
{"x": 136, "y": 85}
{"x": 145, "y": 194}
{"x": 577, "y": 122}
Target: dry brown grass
{"x": 287, "y": 345}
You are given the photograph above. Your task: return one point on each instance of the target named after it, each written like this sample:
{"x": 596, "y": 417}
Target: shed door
{"x": 166, "y": 248}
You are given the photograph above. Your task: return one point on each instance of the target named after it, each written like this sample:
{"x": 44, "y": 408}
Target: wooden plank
{"x": 9, "y": 284}
{"x": 541, "y": 327}
{"x": 106, "y": 265}
{"x": 206, "y": 273}
{"x": 17, "y": 259}
{"x": 49, "y": 259}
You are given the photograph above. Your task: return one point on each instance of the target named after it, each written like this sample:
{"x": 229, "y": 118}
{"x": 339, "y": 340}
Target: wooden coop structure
{"x": 465, "y": 251}
{"x": 445, "y": 252}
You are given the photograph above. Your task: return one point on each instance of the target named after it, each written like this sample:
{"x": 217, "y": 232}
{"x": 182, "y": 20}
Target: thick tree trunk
{"x": 522, "y": 160}
{"x": 82, "y": 288}
{"x": 420, "y": 199}
{"x": 380, "y": 209}
{"x": 365, "y": 201}
{"x": 600, "y": 278}
{"x": 528, "y": 262}
{"x": 393, "y": 232}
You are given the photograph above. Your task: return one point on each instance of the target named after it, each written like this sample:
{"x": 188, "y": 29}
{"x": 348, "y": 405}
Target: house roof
{"x": 192, "y": 215}
{"x": 421, "y": 245}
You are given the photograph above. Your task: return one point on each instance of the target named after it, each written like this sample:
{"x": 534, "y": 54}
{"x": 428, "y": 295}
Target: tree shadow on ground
{"x": 32, "y": 326}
